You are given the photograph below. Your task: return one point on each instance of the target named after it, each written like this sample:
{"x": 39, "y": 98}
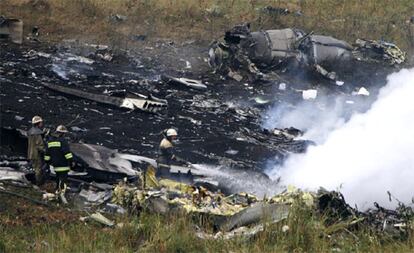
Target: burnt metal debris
{"x": 11, "y": 29}
{"x": 247, "y": 53}
{"x": 220, "y": 121}
{"x": 131, "y": 102}
{"x": 190, "y": 83}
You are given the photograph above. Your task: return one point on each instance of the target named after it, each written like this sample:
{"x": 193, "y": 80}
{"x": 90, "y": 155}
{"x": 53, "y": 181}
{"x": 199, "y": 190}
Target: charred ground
{"x": 225, "y": 117}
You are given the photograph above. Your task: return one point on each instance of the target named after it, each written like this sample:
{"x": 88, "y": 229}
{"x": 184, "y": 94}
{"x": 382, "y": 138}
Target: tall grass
{"x": 177, "y": 233}
{"x": 207, "y": 19}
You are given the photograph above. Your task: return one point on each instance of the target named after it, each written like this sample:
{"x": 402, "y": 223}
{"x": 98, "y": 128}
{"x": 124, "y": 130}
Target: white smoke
{"x": 367, "y": 156}
{"x": 316, "y": 119}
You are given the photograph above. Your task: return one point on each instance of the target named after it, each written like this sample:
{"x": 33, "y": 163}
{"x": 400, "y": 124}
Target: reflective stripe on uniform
{"x": 61, "y": 169}
{"x": 68, "y": 156}
{"x": 47, "y": 158}
{"x": 54, "y": 144}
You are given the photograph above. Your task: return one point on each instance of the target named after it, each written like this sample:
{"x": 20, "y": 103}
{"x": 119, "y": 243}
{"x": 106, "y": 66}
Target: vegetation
{"x": 207, "y": 19}
{"x": 177, "y": 233}
{"x": 25, "y": 227}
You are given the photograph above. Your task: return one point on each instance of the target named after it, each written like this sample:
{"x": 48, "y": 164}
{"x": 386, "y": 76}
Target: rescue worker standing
{"x": 36, "y": 147}
{"x": 59, "y": 156}
{"x": 166, "y": 152}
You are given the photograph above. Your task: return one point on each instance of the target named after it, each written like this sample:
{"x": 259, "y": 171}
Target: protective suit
{"x": 36, "y": 148}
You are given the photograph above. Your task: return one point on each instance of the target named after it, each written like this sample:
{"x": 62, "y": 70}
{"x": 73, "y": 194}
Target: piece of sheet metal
{"x": 102, "y": 159}
{"x": 190, "y": 83}
{"x": 141, "y": 102}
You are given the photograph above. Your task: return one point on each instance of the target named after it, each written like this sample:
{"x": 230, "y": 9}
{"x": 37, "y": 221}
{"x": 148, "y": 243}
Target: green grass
{"x": 208, "y": 19}
{"x": 176, "y": 233}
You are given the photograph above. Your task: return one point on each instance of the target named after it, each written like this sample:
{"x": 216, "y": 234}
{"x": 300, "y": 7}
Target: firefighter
{"x": 36, "y": 147}
{"x": 166, "y": 149}
{"x": 59, "y": 156}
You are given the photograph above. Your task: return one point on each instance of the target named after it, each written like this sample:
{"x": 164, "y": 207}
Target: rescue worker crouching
{"x": 59, "y": 156}
{"x": 36, "y": 147}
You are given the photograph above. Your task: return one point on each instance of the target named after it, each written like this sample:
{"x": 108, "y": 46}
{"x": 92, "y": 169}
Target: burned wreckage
{"x": 104, "y": 178}
{"x": 247, "y": 55}
{"x": 132, "y": 101}
{"x": 115, "y": 183}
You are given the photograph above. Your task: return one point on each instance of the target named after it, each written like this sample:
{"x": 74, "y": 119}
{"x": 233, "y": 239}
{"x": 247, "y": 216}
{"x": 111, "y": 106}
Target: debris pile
{"x": 379, "y": 51}
{"x": 245, "y": 54}
{"x": 240, "y": 214}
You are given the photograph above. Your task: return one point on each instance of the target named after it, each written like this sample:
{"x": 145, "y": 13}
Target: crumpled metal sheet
{"x": 385, "y": 51}
{"x": 190, "y": 83}
{"x": 7, "y": 173}
{"x": 98, "y": 217}
{"x": 253, "y": 214}
{"x": 103, "y": 159}
{"x": 291, "y": 194}
{"x": 140, "y": 102}
{"x": 95, "y": 197}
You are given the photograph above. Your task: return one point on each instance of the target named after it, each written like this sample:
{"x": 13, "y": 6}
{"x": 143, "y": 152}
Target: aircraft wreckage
{"x": 101, "y": 164}
{"x": 235, "y": 210}
{"x": 132, "y": 101}
{"x": 190, "y": 190}
{"x": 245, "y": 54}
{"x": 11, "y": 29}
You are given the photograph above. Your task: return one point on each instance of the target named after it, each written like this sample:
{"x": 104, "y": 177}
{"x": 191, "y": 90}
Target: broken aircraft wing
{"x": 102, "y": 161}
{"x": 144, "y": 103}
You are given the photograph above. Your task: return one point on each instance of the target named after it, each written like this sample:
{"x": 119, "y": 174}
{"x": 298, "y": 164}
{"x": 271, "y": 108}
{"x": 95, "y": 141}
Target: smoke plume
{"x": 368, "y": 155}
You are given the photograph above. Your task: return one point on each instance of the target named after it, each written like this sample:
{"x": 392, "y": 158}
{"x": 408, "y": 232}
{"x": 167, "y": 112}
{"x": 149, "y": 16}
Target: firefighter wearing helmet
{"x": 58, "y": 155}
{"x": 36, "y": 147}
{"x": 166, "y": 149}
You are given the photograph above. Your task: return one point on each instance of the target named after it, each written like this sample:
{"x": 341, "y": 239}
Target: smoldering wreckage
{"x": 94, "y": 90}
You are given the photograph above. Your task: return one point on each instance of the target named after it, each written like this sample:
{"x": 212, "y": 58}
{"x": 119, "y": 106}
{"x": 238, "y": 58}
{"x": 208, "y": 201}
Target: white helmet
{"x": 61, "y": 129}
{"x": 36, "y": 119}
{"x": 171, "y": 132}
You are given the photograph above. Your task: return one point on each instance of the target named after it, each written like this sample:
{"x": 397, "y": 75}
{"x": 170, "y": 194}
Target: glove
{"x": 46, "y": 169}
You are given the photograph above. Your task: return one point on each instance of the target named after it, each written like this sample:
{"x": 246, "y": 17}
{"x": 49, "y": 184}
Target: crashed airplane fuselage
{"x": 252, "y": 52}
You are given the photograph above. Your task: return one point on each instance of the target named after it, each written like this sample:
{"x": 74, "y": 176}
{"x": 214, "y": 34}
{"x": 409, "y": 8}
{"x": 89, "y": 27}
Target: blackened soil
{"x": 223, "y": 118}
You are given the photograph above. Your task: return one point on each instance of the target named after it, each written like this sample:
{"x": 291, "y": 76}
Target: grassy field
{"x": 153, "y": 233}
{"x": 26, "y": 227}
{"x": 207, "y": 19}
